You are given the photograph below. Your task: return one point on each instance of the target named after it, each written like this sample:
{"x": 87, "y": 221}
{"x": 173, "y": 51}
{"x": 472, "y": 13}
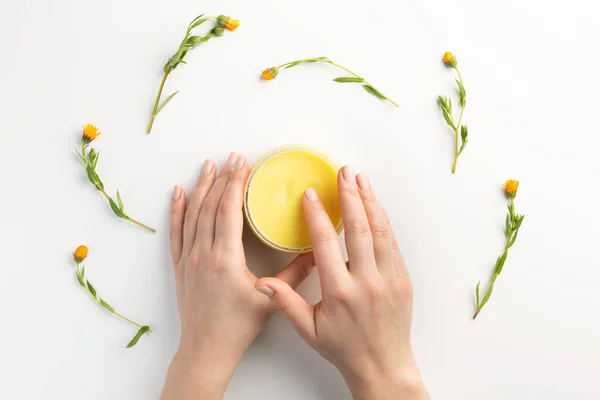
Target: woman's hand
{"x": 363, "y": 323}
{"x": 221, "y": 313}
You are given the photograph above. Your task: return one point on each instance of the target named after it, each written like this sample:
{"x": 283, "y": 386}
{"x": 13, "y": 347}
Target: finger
{"x": 205, "y": 229}
{"x": 325, "y": 244}
{"x": 291, "y": 304}
{"x": 205, "y": 182}
{"x": 298, "y": 270}
{"x": 380, "y": 230}
{"x": 230, "y": 219}
{"x": 176, "y": 223}
{"x": 401, "y": 269}
{"x": 359, "y": 242}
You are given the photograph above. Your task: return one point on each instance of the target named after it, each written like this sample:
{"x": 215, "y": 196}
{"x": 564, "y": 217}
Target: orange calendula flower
{"x": 511, "y": 187}
{"x": 228, "y": 22}
{"x": 449, "y": 59}
{"x": 90, "y": 132}
{"x": 270, "y": 73}
{"x": 80, "y": 254}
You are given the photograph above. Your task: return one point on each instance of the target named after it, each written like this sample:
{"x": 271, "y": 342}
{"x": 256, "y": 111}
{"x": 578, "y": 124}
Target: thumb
{"x": 291, "y": 304}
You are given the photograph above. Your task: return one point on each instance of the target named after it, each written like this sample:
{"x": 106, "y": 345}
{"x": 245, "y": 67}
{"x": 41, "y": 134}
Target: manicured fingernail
{"x": 348, "y": 174}
{"x": 207, "y": 167}
{"x": 231, "y": 159}
{"x": 363, "y": 181}
{"x": 240, "y": 162}
{"x": 267, "y": 291}
{"x": 176, "y": 192}
{"x": 311, "y": 194}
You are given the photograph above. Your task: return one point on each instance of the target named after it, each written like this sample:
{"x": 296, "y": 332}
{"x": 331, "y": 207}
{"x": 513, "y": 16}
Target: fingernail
{"x": 363, "y": 181}
{"x": 348, "y": 174}
{"x": 267, "y": 291}
{"x": 240, "y": 162}
{"x": 176, "y": 192}
{"x": 231, "y": 159}
{"x": 207, "y": 167}
{"x": 311, "y": 194}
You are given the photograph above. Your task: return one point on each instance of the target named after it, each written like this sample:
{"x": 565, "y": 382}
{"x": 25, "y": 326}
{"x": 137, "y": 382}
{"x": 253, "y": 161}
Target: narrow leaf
{"x": 196, "y": 22}
{"x": 462, "y": 93}
{"x": 106, "y": 305}
{"x": 477, "y": 294}
{"x": 137, "y": 336}
{"x": 345, "y": 79}
{"x": 293, "y": 64}
{"x": 120, "y": 201}
{"x": 80, "y": 279}
{"x": 448, "y": 118}
{"x": 513, "y": 239}
{"x": 164, "y": 103}
{"x": 116, "y": 208}
{"x": 507, "y": 225}
{"x": 464, "y": 132}
{"x": 487, "y": 294}
{"x": 374, "y": 92}
{"x": 83, "y": 272}
{"x": 91, "y": 288}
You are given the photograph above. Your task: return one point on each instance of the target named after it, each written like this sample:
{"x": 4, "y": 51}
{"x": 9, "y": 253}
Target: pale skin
{"x": 362, "y": 324}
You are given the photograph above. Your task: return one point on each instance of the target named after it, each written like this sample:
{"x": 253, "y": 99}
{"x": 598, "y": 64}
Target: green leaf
{"x": 448, "y": 118}
{"x": 374, "y": 92}
{"x": 507, "y": 225}
{"x": 500, "y": 263}
{"x": 487, "y": 294}
{"x": 116, "y": 208}
{"x": 164, "y": 103}
{"x": 464, "y": 134}
{"x": 80, "y": 279}
{"x": 345, "y": 79}
{"x": 83, "y": 272}
{"x": 462, "y": 93}
{"x": 120, "y": 201}
{"x": 107, "y": 306}
{"x": 196, "y": 22}
{"x": 91, "y": 288}
{"x": 293, "y": 64}
{"x": 137, "y": 336}
{"x": 477, "y": 294}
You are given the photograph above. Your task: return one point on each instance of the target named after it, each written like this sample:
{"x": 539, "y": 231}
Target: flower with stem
{"x": 90, "y": 160}
{"x": 512, "y": 225}
{"x": 188, "y": 43}
{"x": 459, "y": 129}
{"x": 271, "y": 73}
{"x": 79, "y": 255}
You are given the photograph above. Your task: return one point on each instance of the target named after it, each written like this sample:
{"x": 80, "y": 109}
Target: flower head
{"x": 270, "y": 73}
{"x": 228, "y": 22}
{"x": 80, "y": 254}
{"x": 511, "y": 187}
{"x": 90, "y": 132}
{"x": 449, "y": 59}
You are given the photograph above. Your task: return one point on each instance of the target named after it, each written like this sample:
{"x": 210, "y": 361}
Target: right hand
{"x": 363, "y": 323}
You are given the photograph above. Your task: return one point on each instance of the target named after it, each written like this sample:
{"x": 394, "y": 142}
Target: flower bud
{"x": 511, "y": 186}
{"x": 449, "y": 59}
{"x": 217, "y": 31}
{"x": 80, "y": 254}
{"x": 228, "y": 22}
{"x": 270, "y": 73}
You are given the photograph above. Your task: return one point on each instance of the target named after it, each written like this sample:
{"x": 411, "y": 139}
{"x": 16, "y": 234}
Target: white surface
{"x": 530, "y": 70}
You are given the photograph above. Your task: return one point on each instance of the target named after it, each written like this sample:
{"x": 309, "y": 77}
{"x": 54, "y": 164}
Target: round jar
{"x": 274, "y": 191}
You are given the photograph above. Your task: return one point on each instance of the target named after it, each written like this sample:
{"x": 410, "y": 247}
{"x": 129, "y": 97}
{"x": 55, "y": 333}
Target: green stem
{"x": 140, "y": 224}
{"x": 457, "y": 128}
{"x": 97, "y": 300}
{"x": 328, "y": 61}
{"x": 157, "y": 100}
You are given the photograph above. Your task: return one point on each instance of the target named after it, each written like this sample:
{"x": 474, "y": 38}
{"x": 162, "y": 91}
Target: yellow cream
{"x": 273, "y": 201}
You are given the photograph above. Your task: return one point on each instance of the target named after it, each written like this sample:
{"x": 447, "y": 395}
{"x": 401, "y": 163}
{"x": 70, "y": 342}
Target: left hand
{"x": 220, "y": 310}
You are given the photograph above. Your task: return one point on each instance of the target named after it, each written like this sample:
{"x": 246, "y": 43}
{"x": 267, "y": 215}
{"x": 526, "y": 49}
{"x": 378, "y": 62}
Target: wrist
{"x": 403, "y": 382}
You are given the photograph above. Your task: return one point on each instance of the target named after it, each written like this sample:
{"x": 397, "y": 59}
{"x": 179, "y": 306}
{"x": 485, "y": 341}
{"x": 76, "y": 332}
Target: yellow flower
{"x": 511, "y": 187}
{"x": 270, "y": 73}
{"x": 90, "y": 132}
{"x": 228, "y": 22}
{"x": 449, "y": 59}
{"x": 80, "y": 254}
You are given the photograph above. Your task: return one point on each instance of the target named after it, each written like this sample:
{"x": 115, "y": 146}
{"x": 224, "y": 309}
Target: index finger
{"x": 326, "y": 246}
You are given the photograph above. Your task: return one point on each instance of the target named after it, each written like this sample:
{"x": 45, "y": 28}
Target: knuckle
{"x": 380, "y": 230}
{"x": 374, "y": 293}
{"x": 304, "y": 272}
{"x": 226, "y": 208}
{"x": 358, "y": 226}
{"x": 342, "y": 295}
{"x": 210, "y": 203}
{"x": 325, "y": 234}
{"x": 191, "y": 214}
{"x": 351, "y": 192}
{"x": 284, "y": 304}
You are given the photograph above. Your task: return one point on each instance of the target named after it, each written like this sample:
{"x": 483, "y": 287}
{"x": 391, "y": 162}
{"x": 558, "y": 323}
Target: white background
{"x": 531, "y": 74}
